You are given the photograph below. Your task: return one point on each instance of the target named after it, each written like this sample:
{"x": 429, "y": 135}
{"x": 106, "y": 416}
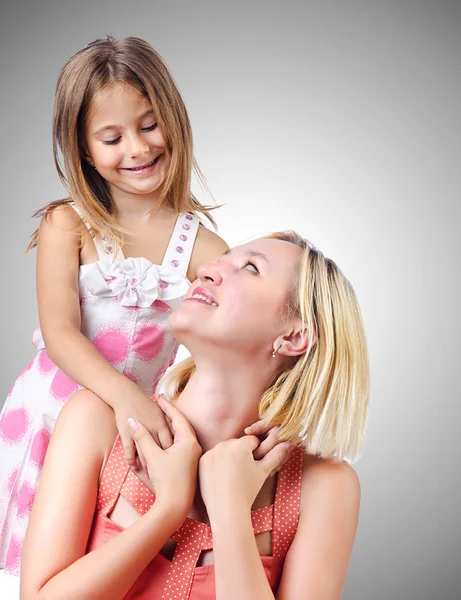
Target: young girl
{"x": 298, "y": 358}
{"x": 113, "y": 260}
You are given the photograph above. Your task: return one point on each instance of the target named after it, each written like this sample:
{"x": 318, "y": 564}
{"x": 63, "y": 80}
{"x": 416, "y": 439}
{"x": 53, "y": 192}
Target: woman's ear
{"x": 295, "y": 342}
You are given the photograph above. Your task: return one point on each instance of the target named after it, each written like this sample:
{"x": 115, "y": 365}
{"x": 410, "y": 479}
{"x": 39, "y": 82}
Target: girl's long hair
{"x": 104, "y": 62}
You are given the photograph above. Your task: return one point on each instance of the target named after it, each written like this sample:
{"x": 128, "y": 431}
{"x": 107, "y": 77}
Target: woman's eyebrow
{"x": 252, "y": 253}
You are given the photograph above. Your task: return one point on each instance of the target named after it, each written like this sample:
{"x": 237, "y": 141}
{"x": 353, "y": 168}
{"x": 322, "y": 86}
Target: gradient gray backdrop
{"x": 341, "y": 120}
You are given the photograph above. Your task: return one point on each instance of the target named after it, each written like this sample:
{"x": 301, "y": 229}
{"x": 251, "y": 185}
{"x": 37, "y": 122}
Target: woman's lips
{"x": 200, "y": 294}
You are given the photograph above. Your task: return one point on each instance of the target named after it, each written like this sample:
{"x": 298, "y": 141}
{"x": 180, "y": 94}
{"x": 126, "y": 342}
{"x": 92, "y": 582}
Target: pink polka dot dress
{"x": 125, "y": 304}
{"x": 181, "y": 578}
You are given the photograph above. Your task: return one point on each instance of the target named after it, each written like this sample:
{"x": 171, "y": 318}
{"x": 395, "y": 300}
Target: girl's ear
{"x": 88, "y": 158}
{"x": 295, "y": 342}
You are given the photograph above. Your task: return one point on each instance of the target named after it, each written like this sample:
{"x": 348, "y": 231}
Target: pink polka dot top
{"x": 181, "y": 578}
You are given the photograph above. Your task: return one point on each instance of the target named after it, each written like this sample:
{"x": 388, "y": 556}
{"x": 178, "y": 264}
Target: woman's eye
{"x": 150, "y": 128}
{"x": 249, "y": 266}
{"x": 112, "y": 142}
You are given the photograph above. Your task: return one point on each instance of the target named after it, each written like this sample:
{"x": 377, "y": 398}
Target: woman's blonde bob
{"x": 102, "y": 63}
{"x": 322, "y": 400}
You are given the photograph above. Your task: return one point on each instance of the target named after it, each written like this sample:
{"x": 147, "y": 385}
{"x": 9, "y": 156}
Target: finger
{"x": 272, "y": 461}
{"x": 249, "y": 441}
{"x": 129, "y": 449}
{"x": 258, "y": 428}
{"x": 144, "y": 441}
{"x": 165, "y": 438}
{"x": 141, "y": 462}
{"x": 179, "y": 423}
{"x": 267, "y": 444}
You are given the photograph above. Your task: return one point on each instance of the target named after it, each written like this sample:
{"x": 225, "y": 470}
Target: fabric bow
{"x": 135, "y": 281}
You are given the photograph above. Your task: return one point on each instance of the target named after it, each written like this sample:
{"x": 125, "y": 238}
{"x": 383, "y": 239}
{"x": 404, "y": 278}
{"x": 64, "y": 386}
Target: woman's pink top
{"x": 180, "y": 578}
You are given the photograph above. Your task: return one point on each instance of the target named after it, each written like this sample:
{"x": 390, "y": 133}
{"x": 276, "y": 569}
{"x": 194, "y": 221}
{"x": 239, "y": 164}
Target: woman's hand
{"x": 270, "y": 435}
{"x": 134, "y": 403}
{"x": 172, "y": 472}
{"x": 230, "y": 477}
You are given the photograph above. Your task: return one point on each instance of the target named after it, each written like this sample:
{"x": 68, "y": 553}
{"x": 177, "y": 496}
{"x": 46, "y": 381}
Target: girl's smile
{"x": 125, "y": 144}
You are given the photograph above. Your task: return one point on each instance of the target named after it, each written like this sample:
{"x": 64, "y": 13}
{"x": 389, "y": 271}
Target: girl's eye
{"x": 150, "y": 128}
{"x": 112, "y": 142}
{"x": 249, "y": 266}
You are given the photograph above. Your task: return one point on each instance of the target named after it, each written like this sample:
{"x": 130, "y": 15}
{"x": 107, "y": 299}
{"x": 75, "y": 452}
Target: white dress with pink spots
{"x": 125, "y": 304}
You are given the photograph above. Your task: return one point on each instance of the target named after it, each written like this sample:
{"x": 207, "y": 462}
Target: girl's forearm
{"x": 239, "y": 572}
{"x": 78, "y": 358}
{"x": 109, "y": 572}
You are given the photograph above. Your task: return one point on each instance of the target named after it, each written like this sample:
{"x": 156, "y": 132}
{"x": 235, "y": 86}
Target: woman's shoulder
{"x": 87, "y": 414}
{"x": 326, "y": 482}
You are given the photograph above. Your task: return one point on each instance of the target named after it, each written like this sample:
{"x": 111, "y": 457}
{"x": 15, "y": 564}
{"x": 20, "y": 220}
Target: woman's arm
{"x": 55, "y": 565}
{"x": 316, "y": 565}
{"x": 59, "y": 244}
{"x": 230, "y": 480}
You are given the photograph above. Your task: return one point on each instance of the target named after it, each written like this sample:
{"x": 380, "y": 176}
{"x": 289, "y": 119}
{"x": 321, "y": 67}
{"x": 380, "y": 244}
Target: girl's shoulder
{"x": 62, "y": 217}
{"x": 208, "y": 247}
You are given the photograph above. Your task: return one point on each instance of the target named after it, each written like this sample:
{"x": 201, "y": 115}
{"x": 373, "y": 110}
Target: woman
{"x": 274, "y": 330}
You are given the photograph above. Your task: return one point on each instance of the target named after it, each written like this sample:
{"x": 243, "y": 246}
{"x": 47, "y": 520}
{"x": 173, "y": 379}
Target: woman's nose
{"x": 210, "y": 272}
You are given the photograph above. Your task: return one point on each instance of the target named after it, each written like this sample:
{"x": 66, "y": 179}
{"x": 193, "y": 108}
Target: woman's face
{"x": 239, "y": 301}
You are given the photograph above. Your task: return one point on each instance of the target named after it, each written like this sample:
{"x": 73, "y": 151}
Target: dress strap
{"x": 103, "y": 249}
{"x": 113, "y": 479}
{"x": 179, "y": 251}
{"x": 286, "y": 504}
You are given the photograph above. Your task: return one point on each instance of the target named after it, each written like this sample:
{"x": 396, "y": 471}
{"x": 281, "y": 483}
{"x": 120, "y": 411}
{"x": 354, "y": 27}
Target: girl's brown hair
{"x": 104, "y": 62}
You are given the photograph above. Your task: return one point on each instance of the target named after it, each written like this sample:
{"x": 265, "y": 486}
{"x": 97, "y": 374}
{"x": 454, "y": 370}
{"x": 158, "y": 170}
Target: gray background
{"x": 341, "y": 120}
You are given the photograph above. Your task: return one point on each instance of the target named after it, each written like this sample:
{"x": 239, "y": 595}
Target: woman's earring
{"x": 274, "y": 353}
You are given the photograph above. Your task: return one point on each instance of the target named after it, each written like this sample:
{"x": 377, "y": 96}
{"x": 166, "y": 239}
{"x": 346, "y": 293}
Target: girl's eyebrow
{"x": 146, "y": 113}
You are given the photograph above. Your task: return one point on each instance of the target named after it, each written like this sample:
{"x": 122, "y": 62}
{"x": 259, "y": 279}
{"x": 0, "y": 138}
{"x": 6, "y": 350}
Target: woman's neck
{"x": 220, "y": 402}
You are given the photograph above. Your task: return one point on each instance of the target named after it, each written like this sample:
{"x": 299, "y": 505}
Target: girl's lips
{"x": 147, "y": 167}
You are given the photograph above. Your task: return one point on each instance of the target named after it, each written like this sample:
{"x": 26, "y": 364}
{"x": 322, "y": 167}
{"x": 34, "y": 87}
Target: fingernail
{"x": 132, "y": 424}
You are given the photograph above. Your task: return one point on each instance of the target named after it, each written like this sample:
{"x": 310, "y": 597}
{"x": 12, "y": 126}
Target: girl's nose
{"x": 137, "y": 147}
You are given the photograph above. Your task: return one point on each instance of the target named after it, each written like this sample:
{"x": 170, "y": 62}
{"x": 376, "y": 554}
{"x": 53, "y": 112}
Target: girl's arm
{"x": 207, "y": 248}
{"x": 54, "y": 562}
{"x": 60, "y": 241}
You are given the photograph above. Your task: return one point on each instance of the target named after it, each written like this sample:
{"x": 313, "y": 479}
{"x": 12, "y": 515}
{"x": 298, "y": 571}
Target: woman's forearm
{"x": 109, "y": 572}
{"x": 239, "y": 572}
{"x": 78, "y": 358}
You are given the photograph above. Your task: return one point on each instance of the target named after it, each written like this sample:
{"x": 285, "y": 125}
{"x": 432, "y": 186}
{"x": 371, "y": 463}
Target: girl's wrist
{"x": 118, "y": 392}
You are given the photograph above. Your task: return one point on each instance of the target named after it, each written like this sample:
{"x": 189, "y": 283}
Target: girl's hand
{"x": 172, "y": 472}
{"x": 136, "y": 404}
{"x": 230, "y": 477}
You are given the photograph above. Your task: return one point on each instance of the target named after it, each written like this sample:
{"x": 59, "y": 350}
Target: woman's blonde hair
{"x": 129, "y": 61}
{"x": 322, "y": 400}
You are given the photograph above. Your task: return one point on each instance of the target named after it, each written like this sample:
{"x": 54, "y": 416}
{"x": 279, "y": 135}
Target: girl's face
{"x": 239, "y": 302}
{"x": 124, "y": 143}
